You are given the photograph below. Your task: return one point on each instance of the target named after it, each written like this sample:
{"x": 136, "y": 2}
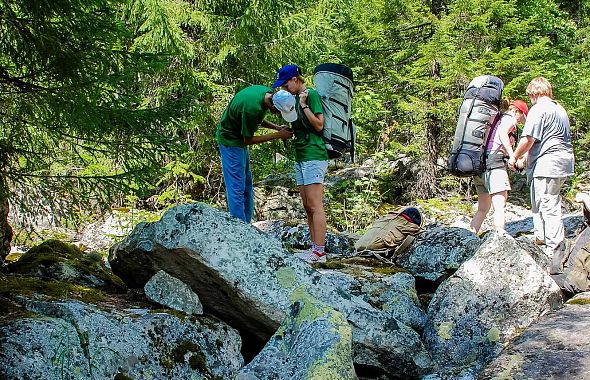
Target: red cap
{"x": 521, "y": 106}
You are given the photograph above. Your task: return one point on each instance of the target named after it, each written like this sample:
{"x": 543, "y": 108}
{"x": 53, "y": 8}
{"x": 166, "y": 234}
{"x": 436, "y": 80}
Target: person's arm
{"x": 316, "y": 120}
{"x": 524, "y": 145}
{"x": 269, "y": 125}
{"x": 504, "y": 130}
{"x": 250, "y": 123}
{"x": 281, "y": 134}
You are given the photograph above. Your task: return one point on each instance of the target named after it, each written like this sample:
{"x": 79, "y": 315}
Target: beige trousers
{"x": 546, "y": 208}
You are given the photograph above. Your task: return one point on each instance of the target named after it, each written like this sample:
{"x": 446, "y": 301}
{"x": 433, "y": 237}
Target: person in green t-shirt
{"x": 236, "y": 130}
{"x": 311, "y": 156}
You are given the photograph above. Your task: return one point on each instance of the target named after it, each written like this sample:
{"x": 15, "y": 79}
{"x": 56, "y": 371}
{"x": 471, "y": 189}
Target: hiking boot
{"x": 312, "y": 256}
{"x": 539, "y": 241}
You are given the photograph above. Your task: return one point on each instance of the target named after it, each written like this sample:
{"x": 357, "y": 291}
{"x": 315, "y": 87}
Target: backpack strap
{"x": 404, "y": 245}
{"x": 382, "y": 255}
{"x": 308, "y": 127}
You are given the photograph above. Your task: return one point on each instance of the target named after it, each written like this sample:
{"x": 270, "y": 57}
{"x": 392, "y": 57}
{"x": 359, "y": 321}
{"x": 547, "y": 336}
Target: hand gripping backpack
{"x": 479, "y": 111}
{"x": 392, "y": 234}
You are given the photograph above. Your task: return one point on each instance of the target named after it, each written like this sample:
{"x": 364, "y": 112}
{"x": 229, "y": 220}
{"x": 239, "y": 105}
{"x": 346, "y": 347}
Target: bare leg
{"x": 499, "y": 202}
{"x": 312, "y": 196}
{"x": 307, "y": 213}
{"x": 484, "y": 201}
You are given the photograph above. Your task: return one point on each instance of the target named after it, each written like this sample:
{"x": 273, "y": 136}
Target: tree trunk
{"x": 5, "y": 229}
{"x": 426, "y": 186}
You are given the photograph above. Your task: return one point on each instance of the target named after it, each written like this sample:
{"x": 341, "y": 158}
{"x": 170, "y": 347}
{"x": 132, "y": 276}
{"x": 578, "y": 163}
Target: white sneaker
{"x": 312, "y": 256}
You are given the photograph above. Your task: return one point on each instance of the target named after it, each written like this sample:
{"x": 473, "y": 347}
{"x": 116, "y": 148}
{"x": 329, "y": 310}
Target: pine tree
{"x": 75, "y": 123}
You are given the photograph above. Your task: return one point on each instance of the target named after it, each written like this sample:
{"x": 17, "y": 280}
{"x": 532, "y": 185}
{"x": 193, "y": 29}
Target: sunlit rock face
{"x": 491, "y": 298}
{"x": 246, "y": 278}
{"x": 74, "y": 340}
{"x": 438, "y": 252}
{"x": 557, "y": 347}
{"x": 298, "y": 237}
{"x": 313, "y": 342}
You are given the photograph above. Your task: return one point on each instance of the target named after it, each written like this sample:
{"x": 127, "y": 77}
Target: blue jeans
{"x": 235, "y": 164}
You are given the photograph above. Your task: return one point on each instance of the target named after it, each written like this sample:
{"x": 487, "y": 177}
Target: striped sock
{"x": 318, "y": 249}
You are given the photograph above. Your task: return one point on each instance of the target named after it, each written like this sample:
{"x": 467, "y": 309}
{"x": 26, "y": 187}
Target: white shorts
{"x": 492, "y": 181}
{"x": 310, "y": 172}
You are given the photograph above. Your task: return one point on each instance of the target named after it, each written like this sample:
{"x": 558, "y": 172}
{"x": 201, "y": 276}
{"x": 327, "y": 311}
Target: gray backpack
{"x": 478, "y": 112}
{"x": 334, "y": 82}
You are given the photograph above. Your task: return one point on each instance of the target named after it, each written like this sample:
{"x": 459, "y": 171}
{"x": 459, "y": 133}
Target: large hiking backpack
{"x": 479, "y": 111}
{"x": 392, "y": 234}
{"x": 334, "y": 83}
{"x": 575, "y": 264}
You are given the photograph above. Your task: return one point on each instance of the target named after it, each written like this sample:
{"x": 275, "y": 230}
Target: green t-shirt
{"x": 309, "y": 144}
{"x": 243, "y": 116}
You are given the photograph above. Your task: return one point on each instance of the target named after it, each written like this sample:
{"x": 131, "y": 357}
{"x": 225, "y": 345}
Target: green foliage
{"x": 101, "y": 100}
{"x": 75, "y": 117}
{"x": 353, "y": 204}
{"x": 178, "y": 176}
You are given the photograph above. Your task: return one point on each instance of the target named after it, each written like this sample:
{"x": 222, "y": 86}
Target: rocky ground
{"x": 186, "y": 301}
{"x": 198, "y": 295}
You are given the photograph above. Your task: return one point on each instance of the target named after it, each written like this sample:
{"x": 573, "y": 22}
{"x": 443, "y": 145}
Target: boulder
{"x": 580, "y": 299}
{"x": 247, "y": 279}
{"x": 59, "y": 261}
{"x": 313, "y": 342}
{"x": 438, "y": 252}
{"x": 298, "y": 237}
{"x": 557, "y": 347}
{"x": 395, "y": 294}
{"x": 489, "y": 300}
{"x": 401, "y": 301}
{"x": 171, "y": 292}
{"x": 102, "y": 234}
{"x": 278, "y": 202}
{"x": 74, "y": 340}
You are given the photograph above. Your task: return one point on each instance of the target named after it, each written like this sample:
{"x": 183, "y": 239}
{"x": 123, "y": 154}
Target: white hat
{"x": 284, "y": 101}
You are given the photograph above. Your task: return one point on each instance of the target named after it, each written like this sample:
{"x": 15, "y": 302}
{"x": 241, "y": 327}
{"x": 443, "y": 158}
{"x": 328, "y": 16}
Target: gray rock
{"x": 43, "y": 349}
{"x": 535, "y": 251}
{"x": 298, "y": 237}
{"x": 580, "y": 299}
{"x": 247, "y": 279}
{"x": 73, "y": 340}
{"x": 401, "y": 300}
{"x": 396, "y": 295}
{"x": 524, "y": 226}
{"x": 487, "y": 302}
{"x": 438, "y": 252}
{"x": 173, "y": 293}
{"x": 278, "y": 202}
{"x": 557, "y": 347}
{"x": 313, "y": 342}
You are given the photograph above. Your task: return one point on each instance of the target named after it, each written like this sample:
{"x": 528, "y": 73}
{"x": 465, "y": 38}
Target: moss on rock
{"x": 38, "y": 259}
{"x": 579, "y": 301}
{"x": 12, "y": 286}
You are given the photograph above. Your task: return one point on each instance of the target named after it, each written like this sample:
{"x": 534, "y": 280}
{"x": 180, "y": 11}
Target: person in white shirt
{"x": 546, "y": 140}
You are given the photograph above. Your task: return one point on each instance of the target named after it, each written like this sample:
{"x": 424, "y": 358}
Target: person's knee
{"x": 483, "y": 208}
{"x": 314, "y": 208}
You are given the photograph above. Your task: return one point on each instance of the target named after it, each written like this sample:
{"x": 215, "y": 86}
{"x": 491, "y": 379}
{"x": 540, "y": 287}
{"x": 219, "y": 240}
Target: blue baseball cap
{"x": 285, "y": 73}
